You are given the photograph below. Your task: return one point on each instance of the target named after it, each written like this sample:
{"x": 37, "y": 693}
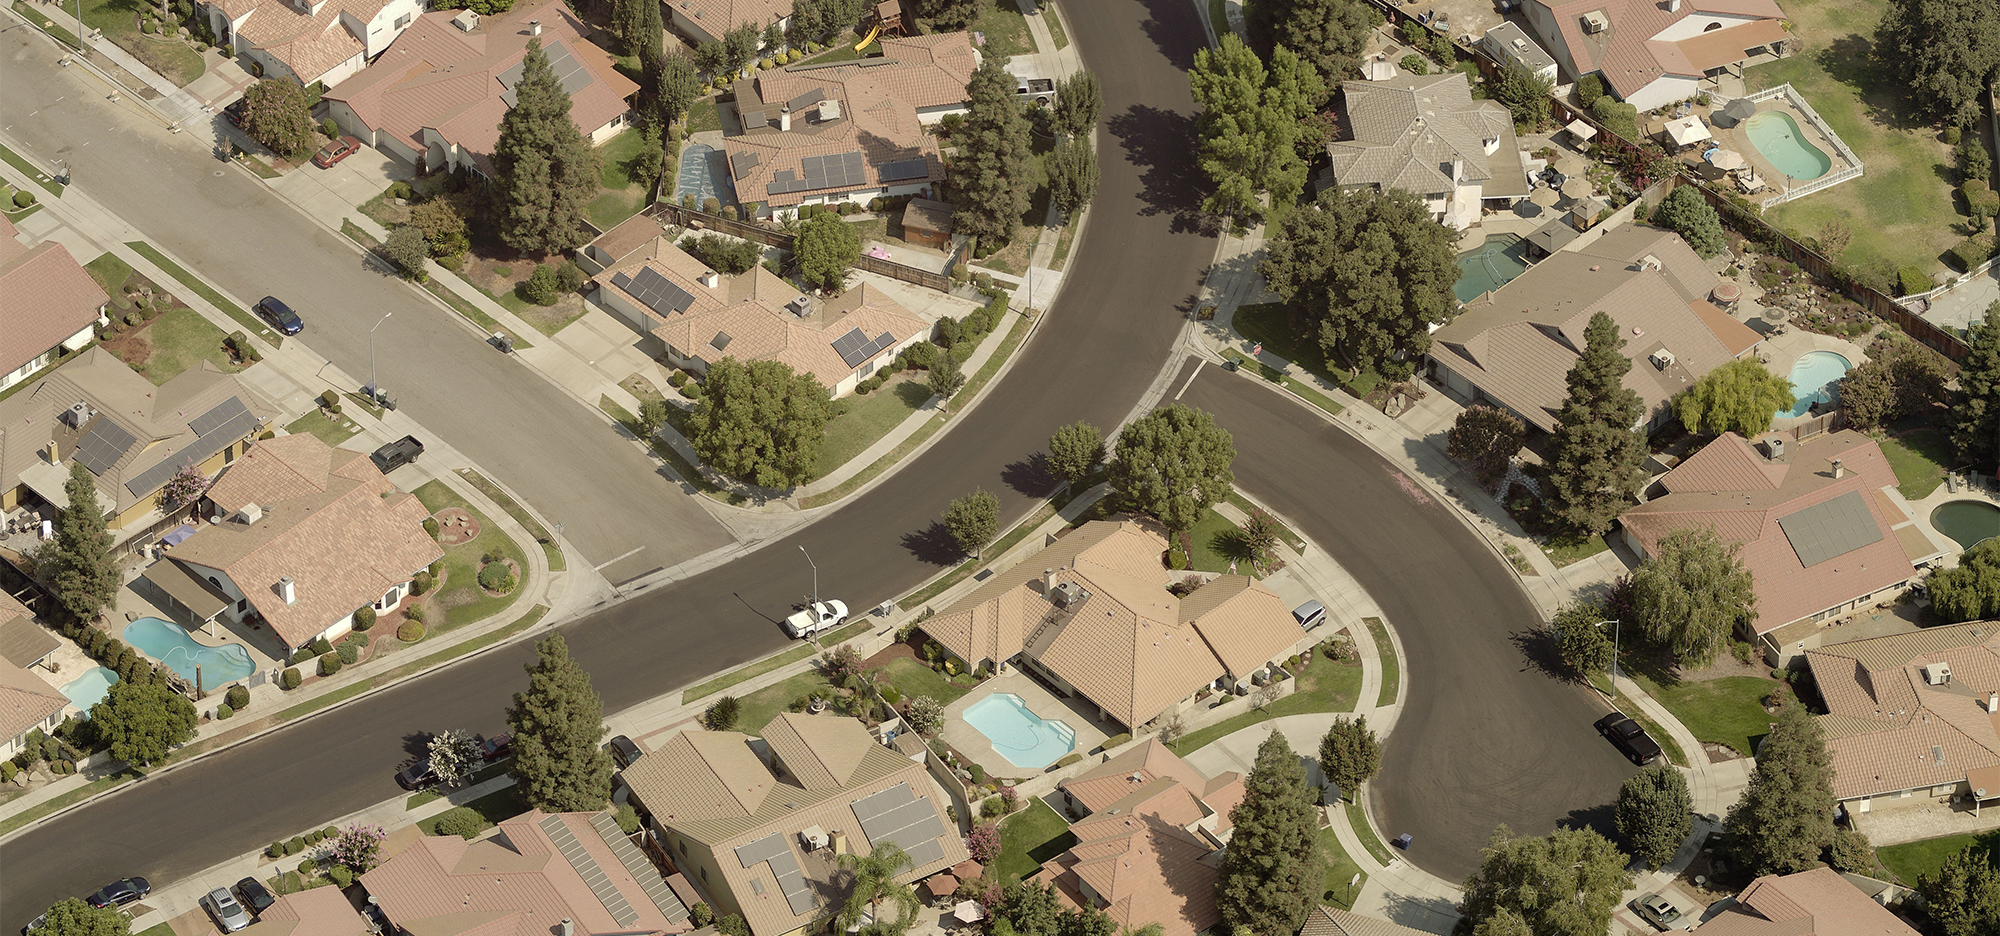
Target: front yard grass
{"x": 250, "y": 323}
{"x": 1305, "y": 391}
{"x": 170, "y": 56}
{"x": 1028, "y": 838}
{"x": 868, "y": 419}
{"x": 777, "y": 661}
{"x": 14, "y": 159}
{"x": 1357, "y": 818}
{"x": 331, "y": 431}
{"x": 519, "y": 513}
{"x": 758, "y": 708}
{"x": 1339, "y": 870}
{"x": 1269, "y": 324}
{"x": 459, "y": 599}
{"x": 179, "y": 339}
{"x": 1006, "y": 30}
{"x": 1918, "y": 457}
{"x": 1324, "y": 686}
{"x": 1385, "y": 650}
{"x": 912, "y": 678}
{"x": 1912, "y": 860}
{"x": 1727, "y": 711}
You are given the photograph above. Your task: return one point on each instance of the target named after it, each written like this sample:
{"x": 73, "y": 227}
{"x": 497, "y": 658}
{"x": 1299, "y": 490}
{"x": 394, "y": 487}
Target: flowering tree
{"x": 924, "y": 715}
{"x": 357, "y": 847}
{"x": 984, "y": 842}
{"x": 182, "y": 489}
{"x": 454, "y": 755}
{"x": 1011, "y": 797}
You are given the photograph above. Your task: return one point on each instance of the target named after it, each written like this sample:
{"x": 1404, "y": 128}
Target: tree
{"x": 652, "y": 415}
{"x": 1349, "y": 754}
{"x": 1030, "y": 908}
{"x": 1503, "y": 922}
{"x": 1654, "y": 813}
{"x": 1976, "y": 408}
{"x": 454, "y": 756}
{"x": 77, "y": 562}
{"x": 1741, "y": 396}
{"x": 1272, "y": 874}
{"x": 544, "y": 171}
{"x": 817, "y": 19}
{"x": 721, "y": 714}
{"x": 1962, "y": 897}
{"x": 924, "y": 714}
{"x": 481, "y": 7}
{"x": 1785, "y": 816}
{"x": 671, "y": 86}
{"x": 275, "y": 113}
{"x": 1075, "y": 451}
{"x": 739, "y": 46}
{"x": 357, "y": 847}
{"x": 1946, "y": 51}
{"x": 628, "y": 22}
{"x": 557, "y": 724}
{"x": 1685, "y": 212}
{"x": 1561, "y": 884}
{"x": 1173, "y": 463}
{"x": 945, "y": 378}
{"x": 1072, "y": 170}
{"x": 143, "y": 720}
{"x": 441, "y": 219}
{"x": 712, "y": 57}
{"x": 73, "y": 917}
{"x": 1525, "y": 93}
{"x": 182, "y": 488}
{"x": 1328, "y": 34}
{"x": 1258, "y": 536}
{"x": 1250, "y": 122}
{"x": 973, "y": 520}
{"x": 1969, "y": 591}
{"x": 407, "y": 249}
{"x": 991, "y": 169}
{"x": 1901, "y": 379}
{"x": 826, "y": 248}
{"x": 950, "y": 15}
{"x": 1582, "y": 646}
{"x": 1617, "y": 116}
{"x": 724, "y": 254}
{"x": 1692, "y": 595}
{"x": 1589, "y": 88}
{"x": 1079, "y": 101}
{"x": 1371, "y": 272}
{"x": 1831, "y": 241}
{"x": 1487, "y": 439}
{"x": 1851, "y": 852}
{"x": 732, "y": 925}
{"x": 761, "y": 422}
{"x": 1598, "y": 463}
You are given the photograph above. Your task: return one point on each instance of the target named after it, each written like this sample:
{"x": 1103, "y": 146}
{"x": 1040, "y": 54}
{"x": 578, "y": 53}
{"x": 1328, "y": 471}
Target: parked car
{"x": 417, "y": 776}
{"x": 624, "y": 751}
{"x": 1638, "y": 746}
{"x": 222, "y": 906}
{"x": 818, "y": 616}
{"x": 396, "y": 454}
{"x": 496, "y": 747}
{"x": 234, "y": 112}
{"x": 335, "y": 151}
{"x": 253, "y": 895}
{"x": 120, "y": 892}
{"x": 1309, "y": 615}
{"x": 1658, "y": 911}
{"x": 280, "y": 315}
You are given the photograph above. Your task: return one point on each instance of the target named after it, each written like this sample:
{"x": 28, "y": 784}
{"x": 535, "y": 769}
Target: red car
{"x": 335, "y": 151}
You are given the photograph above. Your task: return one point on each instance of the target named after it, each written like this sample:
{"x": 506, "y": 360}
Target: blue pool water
{"x": 1490, "y": 266}
{"x": 90, "y": 688}
{"x": 1021, "y": 736}
{"x": 1814, "y": 378}
{"x": 1777, "y": 136}
{"x": 168, "y": 643}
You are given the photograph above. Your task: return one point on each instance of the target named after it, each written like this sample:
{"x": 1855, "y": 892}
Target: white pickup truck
{"x": 818, "y": 616}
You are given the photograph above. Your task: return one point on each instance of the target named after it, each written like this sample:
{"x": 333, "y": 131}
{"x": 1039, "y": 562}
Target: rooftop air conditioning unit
{"x": 251, "y": 513}
{"x": 829, "y": 110}
{"x": 711, "y": 279}
{"x": 800, "y": 306}
{"x": 76, "y": 415}
{"x": 1937, "y": 674}
{"x": 1663, "y": 359}
{"x": 1068, "y": 594}
{"x": 813, "y": 837}
{"x": 466, "y": 21}
{"x": 1595, "y": 22}
{"x": 1774, "y": 448}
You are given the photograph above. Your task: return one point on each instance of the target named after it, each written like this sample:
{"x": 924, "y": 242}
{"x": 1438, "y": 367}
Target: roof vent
{"x": 1937, "y": 674}
{"x": 1520, "y": 44}
{"x": 251, "y": 513}
{"x": 1649, "y": 262}
{"x": 1662, "y": 358}
{"x": 829, "y": 110}
{"x": 76, "y": 415}
{"x": 466, "y": 21}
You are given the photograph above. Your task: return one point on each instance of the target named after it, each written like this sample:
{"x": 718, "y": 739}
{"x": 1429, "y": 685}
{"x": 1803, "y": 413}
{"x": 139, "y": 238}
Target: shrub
{"x": 307, "y": 866}
{"x": 1414, "y": 64}
{"x": 543, "y": 286}
{"x": 330, "y": 129}
{"x": 1911, "y": 280}
{"x": 984, "y": 843}
{"x": 992, "y": 807}
{"x": 570, "y": 276}
{"x": 364, "y": 617}
{"x": 766, "y": 64}
{"x": 223, "y": 711}
{"x": 496, "y": 577}
{"x": 341, "y": 875}
{"x": 292, "y": 677}
{"x": 410, "y": 632}
{"x": 892, "y": 695}
{"x": 1952, "y": 135}
{"x": 238, "y": 697}
{"x": 415, "y": 612}
{"x": 321, "y": 646}
{"x": 711, "y": 205}
{"x": 314, "y": 838}
{"x": 431, "y": 526}
{"x": 275, "y": 850}
{"x": 1973, "y": 160}
{"x": 329, "y": 833}
{"x": 1114, "y": 741}
{"x": 1072, "y": 757}
{"x": 1972, "y": 252}
{"x": 329, "y": 664}
{"x": 348, "y": 653}
{"x": 978, "y": 774}
{"x": 295, "y": 844}
{"x": 24, "y": 199}
{"x": 330, "y": 398}
{"x": 422, "y": 583}
{"x": 461, "y": 821}
{"x": 627, "y": 818}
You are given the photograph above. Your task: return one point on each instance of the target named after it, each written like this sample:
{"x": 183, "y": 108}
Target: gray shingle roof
{"x": 1409, "y": 130}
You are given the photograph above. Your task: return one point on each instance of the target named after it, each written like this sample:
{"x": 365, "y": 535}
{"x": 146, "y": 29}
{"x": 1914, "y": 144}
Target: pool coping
{"x": 970, "y": 742}
{"x": 158, "y": 661}
{"x": 1023, "y": 703}
{"x": 1794, "y": 383}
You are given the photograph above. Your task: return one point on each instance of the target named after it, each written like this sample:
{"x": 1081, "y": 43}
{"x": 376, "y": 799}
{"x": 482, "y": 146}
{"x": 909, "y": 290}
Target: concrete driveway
{"x": 350, "y": 183}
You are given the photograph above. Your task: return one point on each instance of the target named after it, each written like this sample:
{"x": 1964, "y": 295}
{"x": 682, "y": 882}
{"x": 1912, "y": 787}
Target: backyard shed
{"x": 927, "y": 222}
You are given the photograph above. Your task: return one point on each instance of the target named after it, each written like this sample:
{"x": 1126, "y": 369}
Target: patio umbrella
{"x": 1726, "y": 159}
{"x": 1544, "y": 196}
{"x": 1686, "y": 130}
{"x": 1582, "y": 131}
{"x": 942, "y": 885}
{"x": 1734, "y": 112}
{"x": 968, "y": 911}
{"x": 968, "y": 870}
{"x": 1576, "y": 187}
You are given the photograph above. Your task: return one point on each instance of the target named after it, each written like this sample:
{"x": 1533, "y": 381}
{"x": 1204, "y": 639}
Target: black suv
{"x": 1637, "y": 746}
{"x": 396, "y": 454}
{"x": 280, "y": 315}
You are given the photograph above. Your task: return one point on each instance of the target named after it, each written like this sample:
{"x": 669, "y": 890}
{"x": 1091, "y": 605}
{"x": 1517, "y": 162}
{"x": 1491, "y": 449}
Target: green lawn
{"x": 867, "y": 420}
{"x": 180, "y": 339}
{"x": 1385, "y": 649}
{"x": 622, "y": 195}
{"x": 1028, "y": 838}
{"x": 1055, "y": 26}
{"x": 493, "y": 808}
{"x": 330, "y": 431}
{"x": 46, "y": 25}
{"x": 702, "y": 115}
{"x": 173, "y": 59}
{"x": 1918, "y": 457}
{"x": 459, "y": 599}
{"x": 519, "y": 513}
{"x": 1357, "y": 818}
{"x": 250, "y": 323}
{"x": 913, "y": 678}
{"x": 1309, "y": 393}
{"x": 1339, "y": 870}
{"x": 1564, "y": 552}
{"x": 758, "y": 708}
{"x": 14, "y": 159}
{"x": 1912, "y": 860}
{"x": 1727, "y": 711}
{"x": 1005, "y": 28}
{"x": 1326, "y": 686}
{"x": 1269, "y": 324}
{"x": 1218, "y": 542}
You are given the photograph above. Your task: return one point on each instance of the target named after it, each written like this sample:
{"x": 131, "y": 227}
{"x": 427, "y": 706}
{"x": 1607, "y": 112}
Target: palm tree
{"x": 874, "y": 882}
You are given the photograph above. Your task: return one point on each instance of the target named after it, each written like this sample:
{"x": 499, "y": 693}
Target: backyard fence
{"x": 1854, "y": 167}
{"x": 688, "y": 217}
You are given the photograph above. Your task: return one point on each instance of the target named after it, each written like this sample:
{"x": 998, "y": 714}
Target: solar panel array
{"x": 900, "y": 816}
{"x": 640, "y": 867}
{"x": 214, "y": 431}
{"x": 570, "y": 73}
{"x": 657, "y": 292}
{"x": 103, "y": 445}
{"x": 775, "y": 849}
{"x": 742, "y": 163}
{"x": 905, "y": 169}
{"x": 1834, "y": 528}
{"x": 586, "y": 867}
{"x": 842, "y": 170}
{"x": 855, "y": 348}
{"x": 222, "y": 412}
{"x": 806, "y": 100}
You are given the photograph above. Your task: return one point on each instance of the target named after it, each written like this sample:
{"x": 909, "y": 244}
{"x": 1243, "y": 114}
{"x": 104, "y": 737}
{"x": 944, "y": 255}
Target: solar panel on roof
{"x": 924, "y": 853}
{"x": 657, "y": 292}
{"x": 103, "y": 445}
{"x": 569, "y": 72}
{"x": 600, "y": 884}
{"x": 905, "y": 169}
{"x": 869, "y": 807}
{"x": 1834, "y": 528}
{"x": 641, "y": 868}
{"x": 221, "y": 413}
{"x": 850, "y": 347}
{"x": 761, "y": 849}
{"x": 806, "y": 100}
{"x": 741, "y": 163}
{"x": 898, "y": 815}
{"x": 792, "y": 881}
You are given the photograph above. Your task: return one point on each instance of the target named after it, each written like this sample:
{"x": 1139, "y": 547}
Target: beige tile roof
{"x": 322, "y": 911}
{"x": 873, "y": 121}
{"x": 1112, "y": 781}
{"x": 1731, "y": 488}
{"x": 1627, "y": 54}
{"x": 720, "y": 16}
{"x": 1406, "y": 132}
{"x": 701, "y": 775}
{"x": 1333, "y": 921}
{"x": 1810, "y": 903}
{"x": 25, "y": 700}
{"x": 45, "y": 297}
{"x": 344, "y": 543}
{"x": 1889, "y": 730}
{"x": 923, "y": 71}
{"x": 23, "y": 642}
{"x": 821, "y": 751}
{"x": 1518, "y": 344}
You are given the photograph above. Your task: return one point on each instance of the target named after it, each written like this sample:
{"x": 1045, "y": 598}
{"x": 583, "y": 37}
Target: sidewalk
{"x": 173, "y": 105}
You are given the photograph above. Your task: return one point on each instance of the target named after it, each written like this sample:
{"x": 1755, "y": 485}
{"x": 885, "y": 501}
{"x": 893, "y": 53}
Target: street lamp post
{"x": 371, "y": 354}
{"x": 815, "y": 568}
{"x": 1613, "y": 669}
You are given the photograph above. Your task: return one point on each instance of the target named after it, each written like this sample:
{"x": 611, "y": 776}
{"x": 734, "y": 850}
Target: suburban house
{"x": 1509, "y": 43}
{"x": 927, "y": 72}
{"x": 758, "y": 827}
{"x": 540, "y": 874}
{"x": 1819, "y": 525}
{"x": 693, "y": 316}
{"x": 27, "y": 702}
{"x": 1091, "y": 614}
{"x": 309, "y": 41}
{"x": 49, "y": 304}
{"x": 1819, "y": 902}
{"x": 1654, "y": 52}
{"x": 322, "y": 911}
{"x": 1333, "y": 921}
{"x": 1424, "y": 134}
{"x": 131, "y": 435}
{"x": 1514, "y": 346}
{"x": 709, "y": 20}
{"x": 436, "y": 97}
{"x": 300, "y": 536}
{"x": 1149, "y": 847}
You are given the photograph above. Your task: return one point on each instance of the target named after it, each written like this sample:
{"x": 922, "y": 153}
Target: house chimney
{"x": 53, "y": 453}
{"x": 1839, "y": 470}
{"x": 785, "y": 118}
{"x": 1048, "y": 582}
{"x": 288, "y": 590}
{"x": 1992, "y": 702}
{"x": 1673, "y": 6}
{"x": 568, "y": 927}
{"x": 710, "y": 279}
{"x": 535, "y": 29}
{"x": 1457, "y": 169}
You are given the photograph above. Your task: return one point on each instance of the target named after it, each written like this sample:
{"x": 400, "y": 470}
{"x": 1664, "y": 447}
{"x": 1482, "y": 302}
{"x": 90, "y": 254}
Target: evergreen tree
{"x": 73, "y": 917}
{"x": 973, "y": 520}
{"x": 1503, "y": 922}
{"x": 826, "y": 248}
{"x": 1561, "y": 884}
{"x": 1273, "y": 871}
{"x": 1173, "y": 463}
{"x": 1072, "y": 169}
{"x": 1947, "y": 52}
{"x": 77, "y": 562}
{"x": 1525, "y": 94}
{"x": 1741, "y": 396}
{"x": 143, "y": 720}
{"x": 1599, "y": 459}
{"x": 1030, "y": 908}
{"x": 1079, "y": 101}
{"x": 1852, "y": 853}
{"x": 1582, "y": 646}
{"x": 1685, "y": 212}
{"x": 1250, "y": 123}
{"x": 545, "y": 172}
{"x": 1692, "y": 594}
{"x": 1075, "y": 451}
{"x": 557, "y": 724}
{"x": 1962, "y": 897}
{"x": 1349, "y": 754}
{"x": 1328, "y": 34}
{"x": 275, "y": 113}
{"x": 628, "y": 20}
{"x": 1487, "y": 439}
{"x": 739, "y": 46}
{"x": 671, "y": 86}
{"x": 950, "y": 15}
{"x": 761, "y": 422}
{"x": 945, "y": 378}
{"x": 1785, "y": 816}
{"x": 991, "y": 169}
{"x": 1655, "y": 813}
{"x": 1976, "y": 408}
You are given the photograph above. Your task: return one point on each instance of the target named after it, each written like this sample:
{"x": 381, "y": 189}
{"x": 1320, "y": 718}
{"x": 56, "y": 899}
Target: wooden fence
{"x": 688, "y": 217}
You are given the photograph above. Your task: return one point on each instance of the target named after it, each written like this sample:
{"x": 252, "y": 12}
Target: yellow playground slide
{"x": 865, "y": 40}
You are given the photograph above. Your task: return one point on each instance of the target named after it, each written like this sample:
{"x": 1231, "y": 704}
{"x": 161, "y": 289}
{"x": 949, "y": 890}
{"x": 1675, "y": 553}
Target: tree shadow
{"x": 933, "y": 544}
{"x": 1651, "y": 662}
{"x": 1175, "y": 30}
{"x": 1161, "y": 143}
{"x": 1031, "y": 476}
{"x": 1603, "y": 818}
{"x": 913, "y": 393}
{"x": 1538, "y": 653}
{"x": 417, "y": 745}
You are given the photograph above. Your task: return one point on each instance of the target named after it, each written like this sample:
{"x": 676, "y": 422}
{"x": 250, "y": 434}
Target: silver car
{"x": 228, "y": 914}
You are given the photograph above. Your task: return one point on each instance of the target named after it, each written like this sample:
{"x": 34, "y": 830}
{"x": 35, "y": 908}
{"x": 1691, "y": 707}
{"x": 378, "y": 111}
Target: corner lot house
{"x": 435, "y": 98}
{"x": 1424, "y": 134}
{"x": 1091, "y": 614}
{"x": 48, "y": 306}
{"x": 309, "y": 40}
{"x": 1653, "y": 52}
{"x": 301, "y": 536}
{"x": 1514, "y": 346}
{"x": 1820, "y": 902}
{"x": 760, "y": 832}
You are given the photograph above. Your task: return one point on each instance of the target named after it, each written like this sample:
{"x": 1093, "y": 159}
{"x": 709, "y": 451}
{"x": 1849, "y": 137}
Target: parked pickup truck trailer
{"x": 396, "y": 454}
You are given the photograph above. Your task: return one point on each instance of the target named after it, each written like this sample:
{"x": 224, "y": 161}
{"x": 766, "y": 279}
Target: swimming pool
{"x": 1777, "y": 136}
{"x": 1967, "y": 522}
{"x": 1490, "y": 266}
{"x": 168, "y": 643}
{"x": 1019, "y": 735}
{"x": 90, "y": 688}
{"x": 1814, "y": 378}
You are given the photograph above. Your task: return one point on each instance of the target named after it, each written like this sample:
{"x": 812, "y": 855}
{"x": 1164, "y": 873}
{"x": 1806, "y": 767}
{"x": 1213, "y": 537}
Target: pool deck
{"x": 1046, "y": 705}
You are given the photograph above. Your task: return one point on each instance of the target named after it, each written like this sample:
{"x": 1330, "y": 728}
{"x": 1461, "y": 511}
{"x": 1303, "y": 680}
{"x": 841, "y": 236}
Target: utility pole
{"x": 1615, "y": 628}
{"x": 815, "y": 568}
{"x": 372, "y": 386}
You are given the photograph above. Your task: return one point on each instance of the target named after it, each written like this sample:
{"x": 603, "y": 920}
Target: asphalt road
{"x": 517, "y": 427}
{"x": 1136, "y": 272}
{"x": 1484, "y": 738}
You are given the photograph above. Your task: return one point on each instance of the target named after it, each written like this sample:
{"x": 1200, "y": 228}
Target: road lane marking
{"x": 1199, "y": 363}
{"x": 600, "y": 568}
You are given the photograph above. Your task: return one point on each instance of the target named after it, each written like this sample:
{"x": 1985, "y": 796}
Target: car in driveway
{"x": 234, "y": 112}
{"x": 336, "y": 150}
{"x": 222, "y": 907}
{"x": 624, "y": 751}
{"x": 120, "y": 892}
{"x": 274, "y": 310}
{"x": 417, "y": 776}
{"x": 253, "y": 895}
{"x": 1630, "y": 738}
{"x": 1309, "y": 615}
{"x": 1658, "y": 911}
{"x": 815, "y": 617}
{"x": 396, "y": 454}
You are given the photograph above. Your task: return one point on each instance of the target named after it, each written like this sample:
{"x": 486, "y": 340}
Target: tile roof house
{"x": 927, "y": 72}
{"x": 1149, "y": 848}
{"x": 437, "y": 95}
{"x": 1092, "y": 614}
{"x": 23, "y": 642}
{"x": 1333, "y": 921}
{"x": 48, "y": 305}
{"x": 304, "y": 535}
{"x": 27, "y": 704}
{"x": 1424, "y": 134}
{"x": 131, "y": 435}
{"x": 760, "y": 833}
{"x": 1820, "y": 529}
{"x": 1652, "y": 52}
{"x": 539, "y": 872}
{"x": 698, "y": 316}
{"x": 322, "y": 911}
{"x": 310, "y": 40}
{"x": 708, "y": 20}
{"x": 1515, "y": 345}
{"x": 1819, "y": 902}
